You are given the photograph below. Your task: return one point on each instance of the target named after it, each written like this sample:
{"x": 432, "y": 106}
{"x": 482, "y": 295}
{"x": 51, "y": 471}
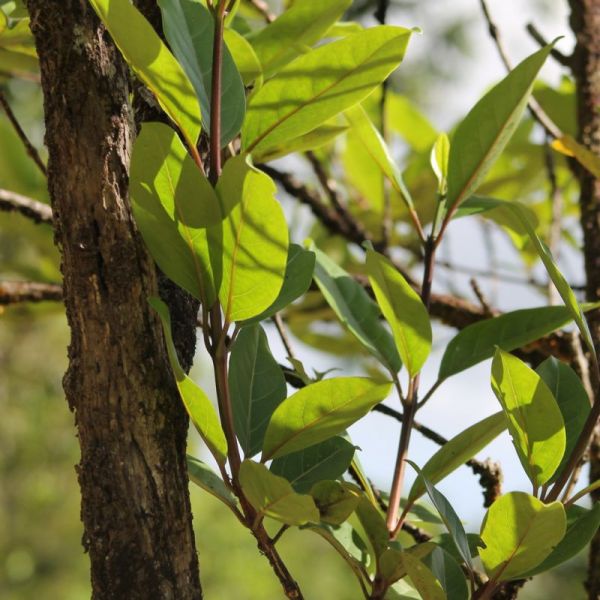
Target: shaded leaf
{"x": 422, "y": 578}
{"x": 391, "y": 565}
{"x": 447, "y": 571}
{"x": 335, "y": 501}
{"x": 374, "y": 526}
{"x": 202, "y": 475}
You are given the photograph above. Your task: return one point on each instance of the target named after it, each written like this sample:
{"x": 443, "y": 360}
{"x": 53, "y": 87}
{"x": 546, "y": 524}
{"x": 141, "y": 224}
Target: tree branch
{"x": 15, "y": 292}
{"x": 557, "y": 55}
{"x": 28, "y": 207}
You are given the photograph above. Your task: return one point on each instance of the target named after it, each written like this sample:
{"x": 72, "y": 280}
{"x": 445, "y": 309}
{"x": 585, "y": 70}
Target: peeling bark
{"x": 131, "y": 426}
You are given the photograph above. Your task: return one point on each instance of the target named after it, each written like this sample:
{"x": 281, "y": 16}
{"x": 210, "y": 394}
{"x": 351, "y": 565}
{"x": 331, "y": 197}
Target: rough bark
{"x": 585, "y": 22}
{"x": 131, "y": 426}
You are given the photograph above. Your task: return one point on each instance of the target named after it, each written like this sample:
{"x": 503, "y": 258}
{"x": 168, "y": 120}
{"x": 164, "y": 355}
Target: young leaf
{"x": 572, "y": 399}
{"x": 519, "y": 532}
{"x": 320, "y": 411}
{"x": 294, "y": 32}
{"x": 198, "y": 406}
{"x": 447, "y": 571}
{"x": 477, "y": 342}
{"x": 457, "y": 451}
{"x": 202, "y": 475}
{"x": 243, "y": 55}
{"x": 153, "y": 64}
{"x": 174, "y": 205}
{"x": 189, "y": 28}
{"x": 296, "y": 281}
{"x": 274, "y": 497}
{"x": 328, "y": 460}
{"x": 422, "y": 578}
{"x": 375, "y": 146}
{"x": 254, "y": 238}
{"x": 580, "y": 531}
{"x": 321, "y": 84}
{"x": 355, "y": 310}
{"x": 257, "y": 387}
{"x": 403, "y": 310}
{"x": 485, "y": 131}
{"x": 570, "y": 147}
{"x": 335, "y": 501}
{"x": 451, "y": 521}
{"x": 535, "y": 422}
{"x": 439, "y": 161}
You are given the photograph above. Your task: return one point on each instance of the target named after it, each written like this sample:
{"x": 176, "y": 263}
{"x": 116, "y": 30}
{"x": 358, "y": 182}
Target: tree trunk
{"x": 585, "y": 22}
{"x": 131, "y": 425}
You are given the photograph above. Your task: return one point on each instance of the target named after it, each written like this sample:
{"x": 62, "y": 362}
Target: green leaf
{"x": 580, "y": 531}
{"x": 485, "y": 131}
{"x": 309, "y": 141}
{"x": 374, "y": 526}
{"x": 457, "y": 451}
{"x": 153, "y": 64}
{"x": 257, "y": 387}
{"x": 296, "y": 281}
{"x": 355, "y": 309}
{"x": 391, "y": 565}
{"x": 447, "y": 571}
{"x": 202, "y": 475}
{"x": 587, "y": 490}
{"x": 509, "y": 331}
{"x": 198, "y": 406}
{"x": 274, "y": 497}
{"x": 439, "y": 161}
{"x": 254, "y": 238}
{"x": 174, "y": 204}
{"x": 403, "y": 310}
{"x": 422, "y": 578}
{"x": 294, "y": 32}
{"x": 572, "y": 399}
{"x": 321, "y": 84}
{"x": 335, "y": 501}
{"x": 377, "y": 149}
{"x": 519, "y": 532}
{"x": 243, "y": 55}
{"x": 328, "y": 460}
{"x": 448, "y": 514}
{"x": 535, "y": 422}
{"x": 320, "y": 411}
{"x": 189, "y": 28}
{"x": 405, "y": 119}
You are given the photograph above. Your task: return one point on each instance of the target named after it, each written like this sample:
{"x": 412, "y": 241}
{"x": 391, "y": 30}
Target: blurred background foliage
{"x": 41, "y": 556}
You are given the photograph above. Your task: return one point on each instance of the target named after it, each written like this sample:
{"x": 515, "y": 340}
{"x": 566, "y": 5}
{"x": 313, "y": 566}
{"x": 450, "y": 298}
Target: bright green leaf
{"x": 515, "y": 329}
{"x": 292, "y": 33}
{"x": 257, "y": 386}
{"x": 405, "y": 119}
{"x": 534, "y": 419}
{"x": 254, "y": 238}
{"x": 355, "y": 310}
{"x": 403, "y": 310}
{"x": 439, "y": 161}
{"x": 243, "y": 55}
{"x": 153, "y": 64}
{"x": 321, "y": 84}
{"x": 519, "y": 532}
{"x": 328, "y": 460}
{"x": 174, "y": 204}
{"x": 485, "y": 131}
{"x": 297, "y": 279}
{"x": 202, "y": 475}
{"x": 189, "y": 29}
{"x": 274, "y": 497}
{"x": 320, "y": 411}
{"x": 572, "y": 399}
{"x": 458, "y": 450}
{"x": 198, "y": 406}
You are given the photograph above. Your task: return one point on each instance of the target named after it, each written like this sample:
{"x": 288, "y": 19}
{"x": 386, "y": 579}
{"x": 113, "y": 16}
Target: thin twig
{"x": 278, "y": 321}
{"x": 481, "y": 297}
{"x": 37, "y": 211}
{"x": 15, "y": 292}
{"x": 557, "y": 55}
{"x": 537, "y": 112}
{"x": 29, "y": 147}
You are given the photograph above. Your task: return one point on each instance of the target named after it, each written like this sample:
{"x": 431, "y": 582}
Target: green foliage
{"x": 519, "y": 532}
{"x": 335, "y": 501}
{"x": 203, "y": 476}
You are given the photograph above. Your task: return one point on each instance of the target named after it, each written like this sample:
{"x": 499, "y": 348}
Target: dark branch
{"x": 32, "y": 209}
{"x": 14, "y": 292}
{"x": 557, "y": 55}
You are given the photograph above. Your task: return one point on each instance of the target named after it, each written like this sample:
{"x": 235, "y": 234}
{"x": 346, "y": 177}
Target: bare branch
{"x": 14, "y": 292}
{"x": 557, "y": 55}
{"x": 29, "y": 147}
{"x": 30, "y": 208}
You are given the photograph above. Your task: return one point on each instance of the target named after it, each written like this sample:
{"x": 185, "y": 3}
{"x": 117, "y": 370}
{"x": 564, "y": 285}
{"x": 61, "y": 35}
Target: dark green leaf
{"x": 327, "y": 460}
{"x": 202, "y": 475}
{"x": 447, "y": 571}
{"x": 336, "y": 501}
{"x": 374, "y": 526}
{"x": 257, "y": 387}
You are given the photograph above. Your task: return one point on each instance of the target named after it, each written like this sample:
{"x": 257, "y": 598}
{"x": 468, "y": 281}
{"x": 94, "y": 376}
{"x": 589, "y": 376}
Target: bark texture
{"x": 131, "y": 425}
{"x": 585, "y": 22}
